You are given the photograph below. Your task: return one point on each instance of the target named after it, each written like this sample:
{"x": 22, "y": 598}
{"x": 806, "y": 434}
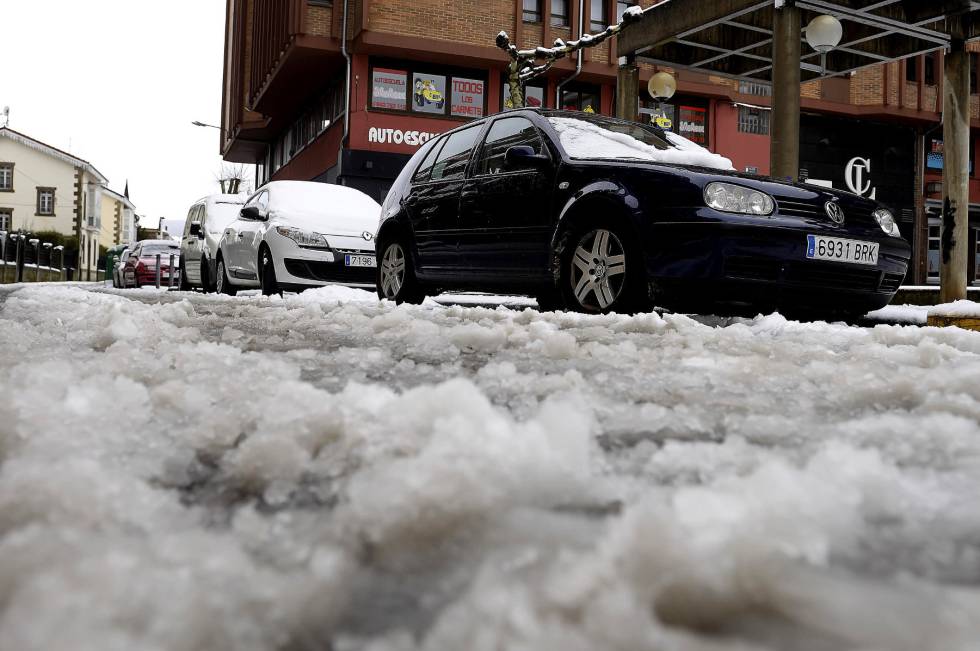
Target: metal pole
{"x": 170, "y": 276}
{"x": 158, "y": 271}
{"x": 627, "y": 89}
{"x": 47, "y": 247}
{"x": 784, "y": 150}
{"x": 954, "y": 232}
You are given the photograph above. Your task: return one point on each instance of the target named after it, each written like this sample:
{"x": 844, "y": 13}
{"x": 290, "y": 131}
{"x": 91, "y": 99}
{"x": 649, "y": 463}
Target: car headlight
{"x": 887, "y": 222}
{"x": 728, "y": 197}
{"x": 304, "y": 238}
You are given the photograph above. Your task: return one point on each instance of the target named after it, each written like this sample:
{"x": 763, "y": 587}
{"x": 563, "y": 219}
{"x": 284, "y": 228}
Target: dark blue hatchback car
{"x": 599, "y": 215}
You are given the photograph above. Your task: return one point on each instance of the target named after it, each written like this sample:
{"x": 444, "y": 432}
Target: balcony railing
{"x": 274, "y": 25}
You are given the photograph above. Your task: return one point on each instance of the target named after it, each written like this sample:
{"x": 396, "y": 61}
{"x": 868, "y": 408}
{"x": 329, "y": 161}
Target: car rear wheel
{"x": 185, "y": 285}
{"x": 267, "y": 277}
{"x": 224, "y": 287}
{"x": 396, "y": 278}
{"x": 600, "y": 273}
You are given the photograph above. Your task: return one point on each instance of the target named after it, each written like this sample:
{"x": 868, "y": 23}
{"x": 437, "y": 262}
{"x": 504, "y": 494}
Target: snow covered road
{"x": 183, "y": 471}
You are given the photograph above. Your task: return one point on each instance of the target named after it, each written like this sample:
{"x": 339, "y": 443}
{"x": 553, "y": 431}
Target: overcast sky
{"x": 118, "y": 82}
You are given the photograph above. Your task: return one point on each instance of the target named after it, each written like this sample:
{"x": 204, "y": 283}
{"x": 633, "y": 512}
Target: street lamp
{"x": 198, "y": 123}
{"x": 824, "y": 34}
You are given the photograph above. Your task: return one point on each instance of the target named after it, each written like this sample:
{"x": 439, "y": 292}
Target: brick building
{"x": 422, "y": 67}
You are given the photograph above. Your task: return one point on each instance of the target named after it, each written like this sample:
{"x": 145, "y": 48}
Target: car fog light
{"x": 887, "y": 222}
{"x": 728, "y": 197}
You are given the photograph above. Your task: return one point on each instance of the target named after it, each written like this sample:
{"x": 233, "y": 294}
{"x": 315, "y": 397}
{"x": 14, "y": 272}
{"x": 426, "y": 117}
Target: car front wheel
{"x": 267, "y": 271}
{"x": 600, "y": 273}
{"x": 396, "y": 278}
{"x": 224, "y": 287}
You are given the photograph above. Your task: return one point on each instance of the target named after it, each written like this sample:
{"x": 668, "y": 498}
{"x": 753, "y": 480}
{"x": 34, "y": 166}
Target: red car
{"x": 141, "y": 266}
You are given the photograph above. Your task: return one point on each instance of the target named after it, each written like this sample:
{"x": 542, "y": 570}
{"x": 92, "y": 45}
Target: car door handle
{"x": 411, "y": 200}
{"x": 241, "y": 236}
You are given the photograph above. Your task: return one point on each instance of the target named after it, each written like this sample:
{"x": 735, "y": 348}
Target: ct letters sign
{"x": 857, "y": 176}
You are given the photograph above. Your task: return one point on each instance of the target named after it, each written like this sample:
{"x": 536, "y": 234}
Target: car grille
{"x": 803, "y": 209}
{"x": 829, "y": 276}
{"x": 330, "y": 272}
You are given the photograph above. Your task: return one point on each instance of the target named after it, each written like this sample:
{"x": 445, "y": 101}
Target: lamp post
{"x": 661, "y": 86}
{"x": 18, "y": 240}
{"x": 824, "y": 34}
{"x": 3, "y": 255}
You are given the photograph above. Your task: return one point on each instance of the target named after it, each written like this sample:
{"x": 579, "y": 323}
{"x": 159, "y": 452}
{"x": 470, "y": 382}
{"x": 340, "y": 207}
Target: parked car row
{"x": 581, "y": 211}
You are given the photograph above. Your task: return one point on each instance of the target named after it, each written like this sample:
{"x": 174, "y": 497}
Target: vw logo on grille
{"x": 835, "y": 212}
{"x": 367, "y": 235}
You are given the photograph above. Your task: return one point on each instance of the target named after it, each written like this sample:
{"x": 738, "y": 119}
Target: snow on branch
{"x": 525, "y": 65}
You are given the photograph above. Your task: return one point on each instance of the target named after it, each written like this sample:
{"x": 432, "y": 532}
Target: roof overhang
{"x": 733, "y": 38}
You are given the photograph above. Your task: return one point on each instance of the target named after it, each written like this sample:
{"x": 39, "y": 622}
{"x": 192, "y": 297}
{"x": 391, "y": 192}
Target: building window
{"x": 533, "y": 96}
{"x": 755, "y": 88}
{"x": 6, "y": 177}
{"x": 935, "y": 154}
{"x": 45, "y": 201}
{"x": 912, "y": 69}
{"x": 973, "y": 72}
{"x": 559, "y": 13}
{"x": 598, "y": 20}
{"x": 580, "y": 99}
{"x": 753, "y": 120}
{"x": 929, "y": 66}
{"x": 532, "y": 11}
{"x": 621, "y": 7}
{"x": 6, "y": 219}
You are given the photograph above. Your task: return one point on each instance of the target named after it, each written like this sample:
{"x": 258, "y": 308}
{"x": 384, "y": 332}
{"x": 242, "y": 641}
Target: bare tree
{"x": 233, "y": 179}
{"x": 525, "y": 65}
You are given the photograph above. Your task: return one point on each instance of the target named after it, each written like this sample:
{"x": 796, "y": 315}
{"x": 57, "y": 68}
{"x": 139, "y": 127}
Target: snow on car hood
{"x": 324, "y": 208}
{"x": 582, "y": 139}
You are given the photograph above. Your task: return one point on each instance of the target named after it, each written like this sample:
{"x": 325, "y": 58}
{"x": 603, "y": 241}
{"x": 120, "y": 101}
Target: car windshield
{"x": 593, "y": 137}
{"x": 220, "y": 214}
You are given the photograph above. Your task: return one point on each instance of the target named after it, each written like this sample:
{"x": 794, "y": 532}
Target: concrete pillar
{"x": 628, "y": 90}
{"x": 955, "y": 229}
{"x": 785, "y": 122}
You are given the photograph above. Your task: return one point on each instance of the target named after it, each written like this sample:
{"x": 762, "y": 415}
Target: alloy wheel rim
{"x": 393, "y": 271}
{"x": 598, "y": 269}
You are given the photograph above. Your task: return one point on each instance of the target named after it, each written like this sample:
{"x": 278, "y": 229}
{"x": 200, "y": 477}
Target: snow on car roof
{"x": 329, "y": 198}
{"x": 587, "y": 139}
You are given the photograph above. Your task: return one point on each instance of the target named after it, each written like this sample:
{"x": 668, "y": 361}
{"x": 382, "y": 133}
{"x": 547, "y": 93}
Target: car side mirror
{"x": 524, "y": 156}
{"x": 196, "y": 230}
{"x": 251, "y": 212}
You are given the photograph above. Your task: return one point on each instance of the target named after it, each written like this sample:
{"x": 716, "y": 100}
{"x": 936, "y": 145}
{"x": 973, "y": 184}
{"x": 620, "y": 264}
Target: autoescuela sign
{"x": 411, "y": 138}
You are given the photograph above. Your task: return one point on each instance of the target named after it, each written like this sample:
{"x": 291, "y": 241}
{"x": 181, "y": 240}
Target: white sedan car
{"x": 293, "y": 235}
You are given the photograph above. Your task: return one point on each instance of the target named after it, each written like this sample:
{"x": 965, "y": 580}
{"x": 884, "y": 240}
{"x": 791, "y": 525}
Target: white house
{"x": 43, "y": 188}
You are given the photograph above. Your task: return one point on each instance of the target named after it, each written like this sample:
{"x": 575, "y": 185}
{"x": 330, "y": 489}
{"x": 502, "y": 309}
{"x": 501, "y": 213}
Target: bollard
{"x": 3, "y": 256}
{"x": 170, "y": 279}
{"x": 158, "y": 271}
{"x": 19, "y": 260}
{"x": 61, "y": 262}
{"x": 36, "y": 243}
{"x": 47, "y": 247}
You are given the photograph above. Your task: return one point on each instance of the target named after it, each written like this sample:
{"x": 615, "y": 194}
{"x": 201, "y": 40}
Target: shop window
{"x": 935, "y": 154}
{"x": 929, "y": 69}
{"x": 388, "y": 89}
{"x": 532, "y": 11}
{"x": 468, "y": 97}
{"x": 455, "y": 154}
{"x": 598, "y": 20}
{"x": 6, "y": 219}
{"x": 583, "y": 99}
{"x": 753, "y": 120}
{"x": 559, "y": 13}
{"x": 504, "y": 134}
{"x": 533, "y": 96}
{"x": 912, "y": 69}
{"x": 6, "y": 177}
{"x": 402, "y": 89}
{"x": 932, "y": 263}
